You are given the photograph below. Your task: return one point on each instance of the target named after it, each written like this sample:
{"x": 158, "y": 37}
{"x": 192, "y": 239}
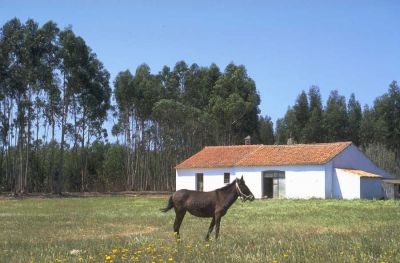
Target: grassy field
{"x": 131, "y": 229}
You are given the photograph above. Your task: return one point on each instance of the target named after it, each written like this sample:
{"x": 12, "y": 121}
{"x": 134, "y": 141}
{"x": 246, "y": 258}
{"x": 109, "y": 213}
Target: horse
{"x": 213, "y": 204}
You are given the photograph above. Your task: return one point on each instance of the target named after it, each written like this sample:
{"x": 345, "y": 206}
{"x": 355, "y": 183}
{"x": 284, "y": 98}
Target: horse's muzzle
{"x": 249, "y": 197}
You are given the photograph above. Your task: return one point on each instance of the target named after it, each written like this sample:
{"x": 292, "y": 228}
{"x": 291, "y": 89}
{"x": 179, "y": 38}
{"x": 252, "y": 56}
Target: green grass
{"x": 129, "y": 229}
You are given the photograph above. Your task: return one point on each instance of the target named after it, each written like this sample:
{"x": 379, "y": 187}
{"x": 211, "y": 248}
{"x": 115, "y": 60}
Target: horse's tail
{"x": 169, "y": 205}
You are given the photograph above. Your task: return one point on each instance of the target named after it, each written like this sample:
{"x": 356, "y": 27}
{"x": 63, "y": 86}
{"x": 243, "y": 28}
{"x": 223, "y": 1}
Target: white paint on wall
{"x": 213, "y": 178}
{"x": 329, "y": 176}
{"x": 305, "y": 182}
{"x": 301, "y": 181}
{"x": 346, "y": 185}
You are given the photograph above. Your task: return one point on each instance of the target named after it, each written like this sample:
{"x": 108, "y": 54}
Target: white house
{"x": 326, "y": 170}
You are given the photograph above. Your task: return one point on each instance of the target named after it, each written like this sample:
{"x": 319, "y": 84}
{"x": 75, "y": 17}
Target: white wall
{"x": 329, "y": 180}
{"x": 346, "y": 185}
{"x": 371, "y": 188}
{"x": 301, "y": 181}
{"x": 212, "y": 178}
{"x": 305, "y": 182}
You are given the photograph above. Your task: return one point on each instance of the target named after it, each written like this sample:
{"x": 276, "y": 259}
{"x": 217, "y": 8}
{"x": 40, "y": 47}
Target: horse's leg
{"x": 178, "y": 221}
{"x": 217, "y": 224}
{"x": 210, "y": 229}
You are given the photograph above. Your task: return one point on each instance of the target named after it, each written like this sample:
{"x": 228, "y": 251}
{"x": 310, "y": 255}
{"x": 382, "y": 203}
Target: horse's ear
{"x": 241, "y": 178}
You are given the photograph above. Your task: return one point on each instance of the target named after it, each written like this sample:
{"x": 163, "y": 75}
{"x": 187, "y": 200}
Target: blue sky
{"x": 286, "y": 46}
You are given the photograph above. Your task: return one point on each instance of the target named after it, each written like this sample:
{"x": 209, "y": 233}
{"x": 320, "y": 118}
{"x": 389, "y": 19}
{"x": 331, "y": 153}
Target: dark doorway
{"x": 273, "y": 184}
{"x": 268, "y": 187}
{"x": 199, "y": 182}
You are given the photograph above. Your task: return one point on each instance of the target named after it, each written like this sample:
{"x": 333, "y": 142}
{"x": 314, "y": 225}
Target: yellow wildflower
{"x": 108, "y": 258}
{"x": 115, "y": 250}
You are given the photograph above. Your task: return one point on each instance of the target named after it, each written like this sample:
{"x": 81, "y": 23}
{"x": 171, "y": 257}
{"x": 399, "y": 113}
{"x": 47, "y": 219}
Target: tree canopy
{"x": 55, "y": 98}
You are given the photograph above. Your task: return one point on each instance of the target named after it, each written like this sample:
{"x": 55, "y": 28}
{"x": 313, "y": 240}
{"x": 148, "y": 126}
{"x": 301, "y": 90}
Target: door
{"x": 267, "y": 187}
{"x": 273, "y": 184}
{"x": 199, "y": 182}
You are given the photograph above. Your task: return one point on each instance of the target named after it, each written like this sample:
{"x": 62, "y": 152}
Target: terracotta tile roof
{"x": 264, "y": 155}
{"x": 218, "y": 156}
{"x": 360, "y": 173}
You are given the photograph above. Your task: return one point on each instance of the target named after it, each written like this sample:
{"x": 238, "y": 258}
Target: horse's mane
{"x": 223, "y": 188}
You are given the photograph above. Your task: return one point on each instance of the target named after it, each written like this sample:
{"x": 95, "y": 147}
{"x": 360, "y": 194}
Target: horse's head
{"x": 243, "y": 191}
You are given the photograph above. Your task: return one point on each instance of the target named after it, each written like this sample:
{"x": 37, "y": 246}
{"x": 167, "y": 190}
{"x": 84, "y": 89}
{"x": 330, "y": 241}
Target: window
{"x": 199, "y": 182}
{"x": 227, "y": 178}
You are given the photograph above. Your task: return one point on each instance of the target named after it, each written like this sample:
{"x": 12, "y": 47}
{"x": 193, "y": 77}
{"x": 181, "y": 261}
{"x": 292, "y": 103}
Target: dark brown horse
{"x": 213, "y": 204}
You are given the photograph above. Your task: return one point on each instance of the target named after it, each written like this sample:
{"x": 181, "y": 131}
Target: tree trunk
{"x": 82, "y": 188}
{"x": 52, "y": 173}
{"x": 63, "y": 124}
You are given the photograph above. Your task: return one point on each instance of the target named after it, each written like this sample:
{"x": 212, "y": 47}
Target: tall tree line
{"x": 165, "y": 117}
{"x": 376, "y": 129}
{"x": 55, "y": 96}
{"x": 51, "y": 86}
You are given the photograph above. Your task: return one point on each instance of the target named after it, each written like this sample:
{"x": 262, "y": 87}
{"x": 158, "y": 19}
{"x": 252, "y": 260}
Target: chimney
{"x": 247, "y": 140}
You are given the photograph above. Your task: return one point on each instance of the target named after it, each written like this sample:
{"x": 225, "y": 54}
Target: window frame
{"x": 227, "y": 178}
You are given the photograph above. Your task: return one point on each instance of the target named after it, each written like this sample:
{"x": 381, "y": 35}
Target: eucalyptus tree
{"x": 335, "y": 118}
{"x": 281, "y": 132}
{"x": 265, "y": 130}
{"x": 354, "y": 113}
{"x": 146, "y": 92}
{"x": 26, "y": 54}
{"x": 196, "y": 92}
{"x": 387, "y": 108}
{"x": 369, "y": 128}
{"x": 73, "y": 55}
{"x": 15, "y": 86}
{"x": 302, "y": 114}
{"x": 179, "y": 78}
{"x": 94, "y": 101}
{"x": 5, "y": 109}
{"x": 314, "y": 130}
{"x": 123, "y": 94}
{"x": 233, "y": 105}
{"x": 169, "y": 83}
